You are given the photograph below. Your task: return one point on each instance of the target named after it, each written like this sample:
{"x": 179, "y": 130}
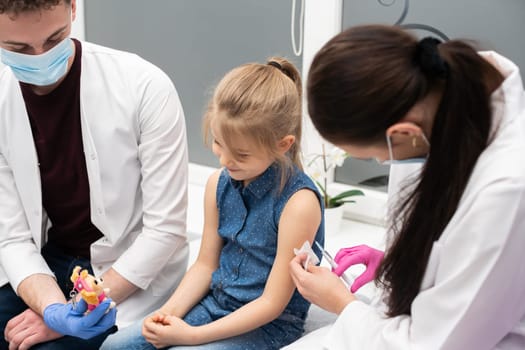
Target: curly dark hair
{"x": 14, "y": 7}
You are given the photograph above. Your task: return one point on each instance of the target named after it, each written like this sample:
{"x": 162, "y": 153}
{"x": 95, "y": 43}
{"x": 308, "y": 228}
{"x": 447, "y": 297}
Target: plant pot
{"x": 332, "y": 220}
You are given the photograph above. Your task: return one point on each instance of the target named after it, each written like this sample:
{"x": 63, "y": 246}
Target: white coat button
{"x": 99, "y": 267}
{"x": 93, "y": 156}
{"x": 100, "y": 211}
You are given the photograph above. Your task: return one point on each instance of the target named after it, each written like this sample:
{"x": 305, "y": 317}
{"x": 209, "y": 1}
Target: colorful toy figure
{"x": 90, "y": 288}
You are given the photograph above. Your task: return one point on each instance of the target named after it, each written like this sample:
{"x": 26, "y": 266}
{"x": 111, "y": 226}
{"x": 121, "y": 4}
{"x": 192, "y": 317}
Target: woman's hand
{"x": 361, "y": 254}
{"x": 163, "y": 330}
{"x": 320, "y": 286}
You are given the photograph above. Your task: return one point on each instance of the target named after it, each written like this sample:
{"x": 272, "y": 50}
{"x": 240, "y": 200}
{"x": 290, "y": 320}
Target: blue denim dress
{"x": 248, "y": 223}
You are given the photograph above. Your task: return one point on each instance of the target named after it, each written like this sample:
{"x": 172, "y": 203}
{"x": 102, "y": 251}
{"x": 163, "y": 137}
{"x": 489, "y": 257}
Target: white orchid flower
{"x": 336, "y": 157}
{"x": 318, "y": 166}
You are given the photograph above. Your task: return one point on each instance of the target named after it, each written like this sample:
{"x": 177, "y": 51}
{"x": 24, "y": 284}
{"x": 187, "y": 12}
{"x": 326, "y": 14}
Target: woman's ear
{"x": 285, "y": 143}
{"x": 405, "y": 133}
{"x": 404, "y": 129}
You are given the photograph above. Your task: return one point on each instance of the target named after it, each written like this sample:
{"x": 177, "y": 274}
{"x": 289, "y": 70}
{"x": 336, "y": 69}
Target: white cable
{"x": 297, "y": 50}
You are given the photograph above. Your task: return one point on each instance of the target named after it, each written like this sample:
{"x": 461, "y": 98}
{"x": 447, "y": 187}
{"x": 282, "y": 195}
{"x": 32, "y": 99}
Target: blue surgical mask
{"x": 41, "y": 70}
{"x": 403, "y": 161}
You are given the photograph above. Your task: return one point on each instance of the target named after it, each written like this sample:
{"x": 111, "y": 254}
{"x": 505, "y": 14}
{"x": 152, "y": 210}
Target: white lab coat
{"x": 473, "y": 292}
{"x": 135, "y": 148}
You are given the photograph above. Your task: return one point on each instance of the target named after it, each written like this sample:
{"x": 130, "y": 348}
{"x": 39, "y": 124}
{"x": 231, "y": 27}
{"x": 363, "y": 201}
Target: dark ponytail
{"x": 402, "y": 70}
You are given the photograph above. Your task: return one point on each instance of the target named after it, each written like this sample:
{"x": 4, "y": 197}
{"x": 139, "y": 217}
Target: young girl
{"x": 258, "y": 208}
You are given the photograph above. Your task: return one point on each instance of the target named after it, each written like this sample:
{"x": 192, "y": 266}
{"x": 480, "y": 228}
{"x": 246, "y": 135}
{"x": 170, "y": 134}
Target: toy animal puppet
{"x": 90, "y": 288}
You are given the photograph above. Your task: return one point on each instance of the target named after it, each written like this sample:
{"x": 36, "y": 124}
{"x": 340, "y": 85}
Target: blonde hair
{"x": 263, "y": 103}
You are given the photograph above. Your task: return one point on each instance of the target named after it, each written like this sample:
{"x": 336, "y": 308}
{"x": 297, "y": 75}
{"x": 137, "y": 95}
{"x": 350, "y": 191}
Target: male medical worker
{"x": 93, "y": 172}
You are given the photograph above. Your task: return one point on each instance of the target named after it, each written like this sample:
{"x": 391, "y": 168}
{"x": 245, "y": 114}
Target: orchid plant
{"x": 320, "y": 166}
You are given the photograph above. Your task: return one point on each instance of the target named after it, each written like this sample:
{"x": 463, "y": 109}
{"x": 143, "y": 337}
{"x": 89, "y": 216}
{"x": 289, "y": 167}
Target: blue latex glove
{"x": 70, "y": 320}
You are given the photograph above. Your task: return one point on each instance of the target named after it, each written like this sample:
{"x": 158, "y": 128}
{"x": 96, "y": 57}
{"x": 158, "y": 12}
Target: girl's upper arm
{"x": 211, "y": 243}
{"x": 299, "y": 222}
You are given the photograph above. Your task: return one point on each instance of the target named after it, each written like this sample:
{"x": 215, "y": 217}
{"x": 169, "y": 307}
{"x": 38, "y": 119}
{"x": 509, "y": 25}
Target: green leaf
{"x": 346, "y": 194}
{"x": 346, "y": 201}
{"x": 333, "y": 204}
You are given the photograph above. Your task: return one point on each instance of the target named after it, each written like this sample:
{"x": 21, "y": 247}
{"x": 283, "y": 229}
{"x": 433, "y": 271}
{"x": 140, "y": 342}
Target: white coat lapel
{"x": 23, "y": 160}
{"x": 88, "y": 92}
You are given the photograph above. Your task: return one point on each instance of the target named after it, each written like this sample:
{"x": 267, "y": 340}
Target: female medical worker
{"x": 453, "y": 275}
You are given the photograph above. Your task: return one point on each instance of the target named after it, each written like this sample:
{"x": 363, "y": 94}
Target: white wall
{"x": 322, "y": 20}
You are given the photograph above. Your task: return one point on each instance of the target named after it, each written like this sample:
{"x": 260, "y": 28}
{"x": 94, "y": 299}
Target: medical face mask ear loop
{"x": 390, "y": 151}
{"x": 390, "y": 148}
{"x": 414, "y": 143}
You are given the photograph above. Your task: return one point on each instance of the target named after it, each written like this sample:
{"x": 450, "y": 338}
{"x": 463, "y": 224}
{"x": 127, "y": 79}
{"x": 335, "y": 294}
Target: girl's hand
{"x": 165, "y": 330}
{"x": 320, "y": 286}
{"x": 160, "y": 318}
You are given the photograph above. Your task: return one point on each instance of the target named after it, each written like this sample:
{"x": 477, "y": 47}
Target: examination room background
{"x": 197, "y": 41}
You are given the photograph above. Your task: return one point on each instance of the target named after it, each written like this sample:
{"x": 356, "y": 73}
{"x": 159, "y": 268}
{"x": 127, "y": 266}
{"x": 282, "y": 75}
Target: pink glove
{"x": 361, "y": 254}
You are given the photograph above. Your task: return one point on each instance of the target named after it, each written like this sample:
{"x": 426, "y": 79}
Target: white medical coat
{"x": 135, "y": 147}
{"x": 473, "y": 292}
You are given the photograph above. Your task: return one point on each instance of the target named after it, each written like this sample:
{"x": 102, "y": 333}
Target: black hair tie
{"x": 279, "y": 67}
{"x": 275, "y": 64}
{"x": 428, "y": 58}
